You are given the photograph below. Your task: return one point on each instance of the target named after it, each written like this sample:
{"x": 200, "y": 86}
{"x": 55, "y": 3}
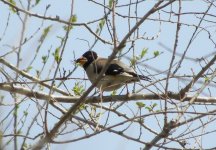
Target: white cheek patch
{"x": 126, "y": 74}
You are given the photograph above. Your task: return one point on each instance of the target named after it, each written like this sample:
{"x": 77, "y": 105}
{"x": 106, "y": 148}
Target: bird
{"x": 116, "y": 75}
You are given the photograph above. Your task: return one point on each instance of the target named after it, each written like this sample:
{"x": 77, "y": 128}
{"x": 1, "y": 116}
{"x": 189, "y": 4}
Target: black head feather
{"x": 90, "y": 56}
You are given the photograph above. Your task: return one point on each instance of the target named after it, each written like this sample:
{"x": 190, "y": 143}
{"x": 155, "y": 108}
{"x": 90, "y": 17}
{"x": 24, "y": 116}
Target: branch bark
{"x": 97, "y": 99}
{"x": 28, "y": 76}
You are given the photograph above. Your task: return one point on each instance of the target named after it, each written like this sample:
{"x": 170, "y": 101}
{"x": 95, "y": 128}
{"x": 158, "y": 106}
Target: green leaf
{"x": 19, "y": 131}
{"x": 133, "y": 61}
{"x": 73, "y": 19}
{"x": 82, "y": 107}
{"x": 110, "y": 3}
{"x": 44, "y": 59}
{"x": 37, "y": 73}
{"x": 100, "y": 27}
{"x": 28, "y": 69}
{"x": 78, "y": 88}
{"x": 101, "y": 23}
{"x": 141, "y": 120}
{"x": 144, "y": 52}
{"x": 37, "y": 1}
{"x": 25, "y": 113}
{"x": 140, "y": 104}
{"x": 17, "y": 106}
{"x": 156, "y": 53}
{"x": 148, "y": 108}
{"x": 113, "y": 93}
{"x": 97, "y": 30}
{"x": 206, "y": 79}
{"x": 13, "y": 3}
{"x": 45, "y": 32}
{"x": 15, "y": 113}
{"x": 151, "y": 107}
{"x": 154, "y": 105}
{"x": 57, "y": 55}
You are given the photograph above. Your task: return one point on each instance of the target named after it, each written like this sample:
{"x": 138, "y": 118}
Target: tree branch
{"x": 187, "y": 88}
{"x": 28, "y": 76}
{"x": 96, "y": 99}
{"x": 56, "y": 19}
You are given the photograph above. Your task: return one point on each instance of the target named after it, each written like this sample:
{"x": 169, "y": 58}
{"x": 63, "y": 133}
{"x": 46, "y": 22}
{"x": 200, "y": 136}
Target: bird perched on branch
{"x": 117, "y": 74}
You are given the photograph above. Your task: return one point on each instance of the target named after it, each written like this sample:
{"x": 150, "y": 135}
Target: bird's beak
{"x": 81, "y": 61}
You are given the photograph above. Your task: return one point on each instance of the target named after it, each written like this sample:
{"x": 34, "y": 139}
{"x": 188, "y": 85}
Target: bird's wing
{"x": 116, "y": 67}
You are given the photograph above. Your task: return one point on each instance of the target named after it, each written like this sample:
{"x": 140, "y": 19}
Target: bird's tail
{"x": 142, "y": 77}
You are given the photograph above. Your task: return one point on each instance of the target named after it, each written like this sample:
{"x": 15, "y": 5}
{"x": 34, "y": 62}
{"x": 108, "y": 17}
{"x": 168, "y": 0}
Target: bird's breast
{"x": 109, "y": 82}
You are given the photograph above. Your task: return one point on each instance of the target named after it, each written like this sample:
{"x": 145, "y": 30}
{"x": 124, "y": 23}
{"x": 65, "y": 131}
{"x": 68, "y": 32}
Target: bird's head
{"x": 87, "y": 58}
